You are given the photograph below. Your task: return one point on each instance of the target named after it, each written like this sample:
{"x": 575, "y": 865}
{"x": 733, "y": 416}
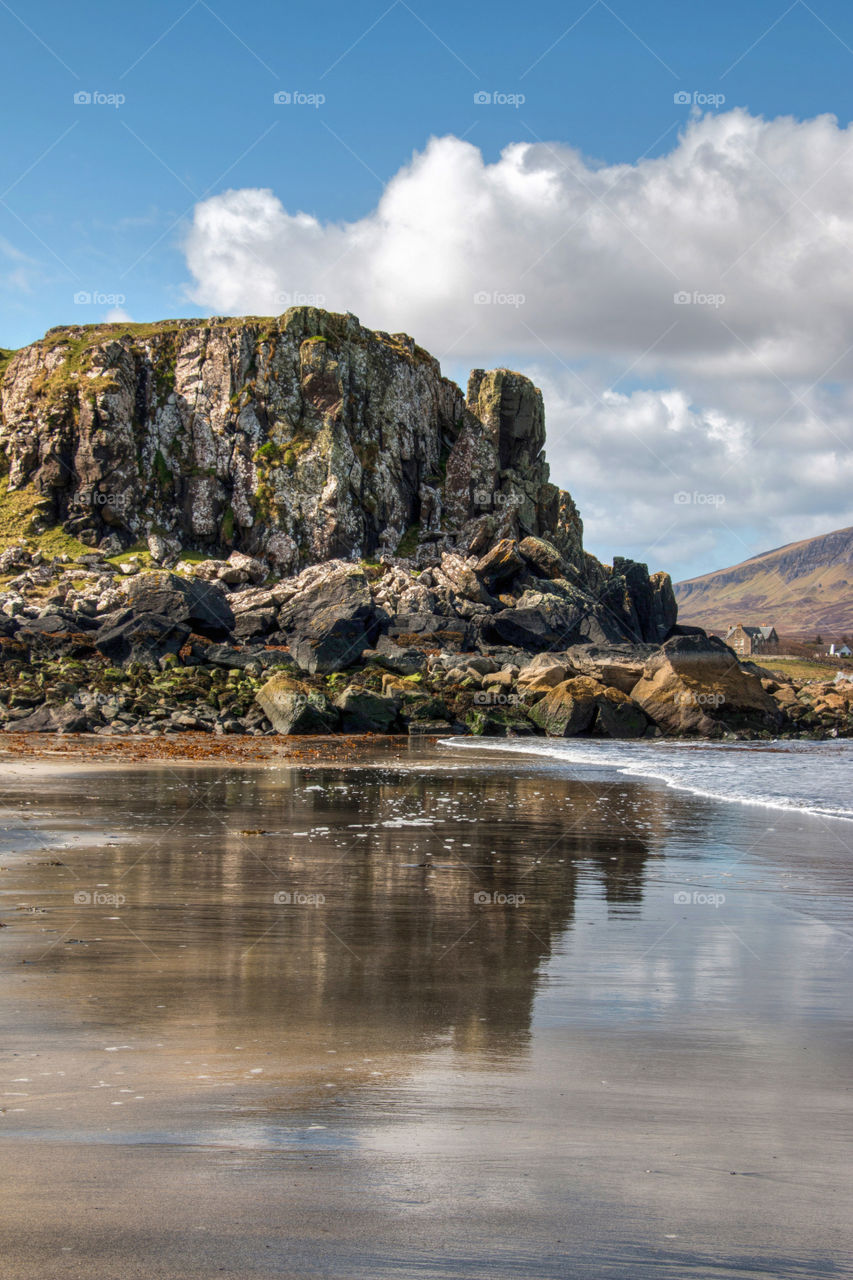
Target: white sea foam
{"x": 805, "y": 777}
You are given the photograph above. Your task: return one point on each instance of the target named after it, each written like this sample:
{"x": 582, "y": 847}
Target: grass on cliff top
{"x": 17, "y": 509}
{"x": 81, "y": 338}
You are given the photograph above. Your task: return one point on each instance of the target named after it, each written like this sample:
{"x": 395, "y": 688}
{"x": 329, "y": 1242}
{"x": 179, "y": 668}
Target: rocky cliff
{"x": 306, "y": 438}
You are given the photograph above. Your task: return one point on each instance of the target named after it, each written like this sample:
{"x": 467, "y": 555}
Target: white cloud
{"x": 753, "y": 211}
{"x": 692, "y": 489}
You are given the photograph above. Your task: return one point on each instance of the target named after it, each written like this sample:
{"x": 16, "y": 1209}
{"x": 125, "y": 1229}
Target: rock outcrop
{"x": 271, "y": 445}
{"x": 299, "y": 526}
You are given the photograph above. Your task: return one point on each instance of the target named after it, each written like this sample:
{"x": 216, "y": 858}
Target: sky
{"x": 644, "y": 207}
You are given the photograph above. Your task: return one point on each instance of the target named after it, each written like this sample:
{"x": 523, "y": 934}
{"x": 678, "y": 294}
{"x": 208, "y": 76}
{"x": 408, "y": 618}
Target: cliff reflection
{"x": 393, "y": 909}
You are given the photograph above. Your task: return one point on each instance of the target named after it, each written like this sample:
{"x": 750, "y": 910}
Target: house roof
{"x": 764, "y": 632}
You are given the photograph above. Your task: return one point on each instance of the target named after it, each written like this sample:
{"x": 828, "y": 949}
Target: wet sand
{"x": 387, "y": 1009}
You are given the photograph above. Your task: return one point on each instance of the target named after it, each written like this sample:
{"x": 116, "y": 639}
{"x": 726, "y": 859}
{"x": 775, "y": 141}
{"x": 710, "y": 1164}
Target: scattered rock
{"x": 569, "y": 708}
{"x": 293, "y": 709}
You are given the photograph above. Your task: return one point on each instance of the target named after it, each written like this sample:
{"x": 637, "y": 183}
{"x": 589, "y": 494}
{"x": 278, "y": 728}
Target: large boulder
{"x": 644, "y": 607}
{"x": 65, "y": 719}
{"x": 501, "y": 563}
{"x": 696, "y": 685}
{"x": 543, "y": 558}
{"x": 569, "y": 708}
{"x": 291, "y": 708}
{"x": 143, "y": 638}
{"x": 330, "y": 621}
{"x": 543, "y": 672}
{"x": 619, "y": 716}
{"x": 365, "y": 712}
{"x": 617, "y": 666}
{"x": 540, "y": 620}
{"x": 203, "y": 604}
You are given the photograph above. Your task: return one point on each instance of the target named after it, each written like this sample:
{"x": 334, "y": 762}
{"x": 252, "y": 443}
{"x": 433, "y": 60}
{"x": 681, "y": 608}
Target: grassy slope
{"x": 17, "y": 509}
{"x": 799, "y": 669}
{"x": 818, "y": 601}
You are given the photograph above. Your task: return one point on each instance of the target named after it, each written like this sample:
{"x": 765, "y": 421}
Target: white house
{"x": 840, "y": 651}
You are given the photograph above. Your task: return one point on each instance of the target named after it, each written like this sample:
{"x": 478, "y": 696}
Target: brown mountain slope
{"x": 802, "y": 588}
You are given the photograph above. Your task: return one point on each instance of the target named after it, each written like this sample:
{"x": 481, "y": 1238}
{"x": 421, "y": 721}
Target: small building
{"x": 840, "y": 651}
{"x": 748, "y": 641}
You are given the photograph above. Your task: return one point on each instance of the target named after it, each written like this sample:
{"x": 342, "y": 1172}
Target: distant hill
{"x": 801, "y": 589}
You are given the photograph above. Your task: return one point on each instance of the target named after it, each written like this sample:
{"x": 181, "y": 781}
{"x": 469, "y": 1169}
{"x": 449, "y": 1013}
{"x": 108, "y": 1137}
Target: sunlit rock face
{"x": 308, "y": 438}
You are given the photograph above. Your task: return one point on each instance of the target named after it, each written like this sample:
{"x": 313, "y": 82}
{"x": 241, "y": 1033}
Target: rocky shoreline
{"x": 297, "y": 525}
{"x": 222, "y": 647}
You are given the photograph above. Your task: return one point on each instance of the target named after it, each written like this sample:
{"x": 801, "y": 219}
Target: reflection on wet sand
{"x": 397, "y": 908}
{"x": 462, "y": 1018}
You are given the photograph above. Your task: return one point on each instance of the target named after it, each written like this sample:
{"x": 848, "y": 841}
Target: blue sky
{"x": 100, "y": 199}
{"x": 100, "y": 194}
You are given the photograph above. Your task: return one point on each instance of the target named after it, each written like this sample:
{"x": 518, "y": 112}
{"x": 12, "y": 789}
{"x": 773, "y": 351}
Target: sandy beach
{"x": 382, "y": 1008}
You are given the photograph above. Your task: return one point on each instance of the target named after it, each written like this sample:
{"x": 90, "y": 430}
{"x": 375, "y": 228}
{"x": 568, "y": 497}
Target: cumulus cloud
{"x": 720, "y": 274}
{"x": 756, "y": 212}
{"x": 689, "y": 488}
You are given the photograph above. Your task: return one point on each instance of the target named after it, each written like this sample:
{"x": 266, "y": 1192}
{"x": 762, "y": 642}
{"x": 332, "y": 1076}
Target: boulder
{"x": 617, "y": 666}
{"x": 501, "y": 563}
{"x": 394, "y": 657}
{"x": 203, "y": 604}
{"x": 498, "y": 722}
{"x": 569, "y": 708}
{"x": 365, "y": 712}
{"x": 143, "y": 638}
{"x": 330, "y": 621}
{"x": 619, "y": 716}
{"x": 65, "y": 719}
{"x": 544, "y": 558}
{"x": 539, "y": 622}
{"x": 162, "y": 548}
{"x": 293, "y": 709}
{"x": 255, "y": 570}
{"x": 252, "y": 598}
{"x": 696, "y": 685}
{"x": 233, "y": 657}
{"x": 544, "y": 672}
{"x": 254, "y": 622}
